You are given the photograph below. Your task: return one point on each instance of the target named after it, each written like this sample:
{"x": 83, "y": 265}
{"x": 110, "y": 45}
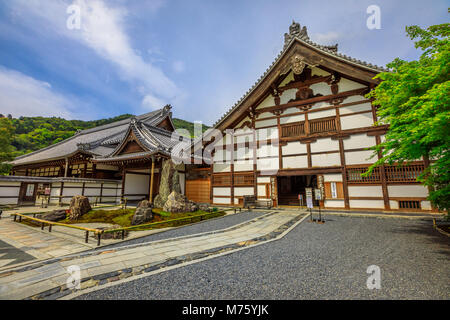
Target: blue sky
{"x": 200, "y": 56}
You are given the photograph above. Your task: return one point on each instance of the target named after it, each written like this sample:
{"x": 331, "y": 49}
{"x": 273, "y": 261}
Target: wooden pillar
{"x": 384, "y": 188}
{"x": 124, "y": 172}
{"x": 66, "y": 169}
{"x": 152, "y": 173}
{"x": 426, "y": 164}
{"x": 61, "y": 189}
{"x": 82, "y": 190}
{"x": 101, "y": 192}
{"x": 344, "y": 174}
{"x": 254, "y": 150}
{"x": 232, "y": 167}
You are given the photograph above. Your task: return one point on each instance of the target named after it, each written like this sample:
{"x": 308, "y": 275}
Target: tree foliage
{"x": 414, "y": 100}
{"x": 6, "y": 149}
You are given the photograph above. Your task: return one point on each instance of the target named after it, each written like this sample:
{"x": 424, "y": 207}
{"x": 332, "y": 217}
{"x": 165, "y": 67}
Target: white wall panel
{"x": 326, "y": 160}
{"x": 293, "y": 148}
{"x": 365, "y": 191}
{"x": 416, "y": 190}
{"x": 357, "y": 121}
{"x": 359, "y": 157}
{"x": 356, "y": 141}
{"x": 326, "y": 144}
{"x": 295, "y": 162}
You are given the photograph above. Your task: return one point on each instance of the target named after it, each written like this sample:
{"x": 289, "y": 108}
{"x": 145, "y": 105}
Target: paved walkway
{"x": 47, "y": 279}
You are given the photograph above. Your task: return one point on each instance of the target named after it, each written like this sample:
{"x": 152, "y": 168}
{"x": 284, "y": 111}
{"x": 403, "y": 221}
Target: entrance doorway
{"x": 28, "y": 193}
{"x": 289, "y": 187}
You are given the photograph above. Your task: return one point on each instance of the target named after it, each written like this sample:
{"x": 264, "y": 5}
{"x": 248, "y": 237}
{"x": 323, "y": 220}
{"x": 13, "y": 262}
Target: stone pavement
{"x": 47, "y": 279}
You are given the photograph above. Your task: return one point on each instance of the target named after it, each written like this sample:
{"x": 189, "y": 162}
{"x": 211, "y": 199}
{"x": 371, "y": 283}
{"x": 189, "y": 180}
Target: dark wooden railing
{"x": 404, "y": 173}
{"x": 322, "y": 125}
{"x": 293, "y": 130}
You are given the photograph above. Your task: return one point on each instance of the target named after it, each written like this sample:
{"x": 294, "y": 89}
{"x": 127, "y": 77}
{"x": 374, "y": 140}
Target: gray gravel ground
{"x": 204, "y": 226}
{"x": 313, "y": 261}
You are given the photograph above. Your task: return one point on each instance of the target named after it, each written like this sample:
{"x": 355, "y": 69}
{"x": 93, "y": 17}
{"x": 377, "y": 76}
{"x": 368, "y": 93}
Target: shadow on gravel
{"x": 425, "y": 228}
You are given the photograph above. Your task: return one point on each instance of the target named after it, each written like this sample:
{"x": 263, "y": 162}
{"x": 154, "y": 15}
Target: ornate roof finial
{"x": 295, "y": 31}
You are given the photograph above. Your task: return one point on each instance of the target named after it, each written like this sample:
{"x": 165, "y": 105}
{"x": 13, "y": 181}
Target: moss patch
{"x": 121, "y": 217}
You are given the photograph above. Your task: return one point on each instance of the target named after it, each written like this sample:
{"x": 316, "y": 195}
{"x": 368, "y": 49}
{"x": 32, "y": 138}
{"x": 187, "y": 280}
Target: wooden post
{"x": 150, "y": 196}
{"x": 66, "y": 168}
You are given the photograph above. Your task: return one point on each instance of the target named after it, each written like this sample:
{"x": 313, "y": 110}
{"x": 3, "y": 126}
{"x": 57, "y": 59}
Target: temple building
{"x": 106, "y": 163}
{"x": 305, "y": 123}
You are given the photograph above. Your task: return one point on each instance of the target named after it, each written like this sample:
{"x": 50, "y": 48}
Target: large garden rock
{"x": 54, "y": 216}
{"x": 170, "y": 181}
{"x": 143, "y": 213}
{"x": 176, "y": 202}
{"x": 79, "y": 205}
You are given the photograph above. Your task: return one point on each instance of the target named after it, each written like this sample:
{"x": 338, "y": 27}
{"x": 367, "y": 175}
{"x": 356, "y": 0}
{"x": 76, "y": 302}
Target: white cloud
{"x": 151, "y": 102}
{"x": 178, "y": 66}
{"x": 22, "y": 95}
{"x": 329, "y": 38}
{"x": 103, "y": 29}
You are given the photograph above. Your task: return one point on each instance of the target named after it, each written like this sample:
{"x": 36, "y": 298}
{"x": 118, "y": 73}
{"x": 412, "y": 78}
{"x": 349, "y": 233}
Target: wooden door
{"x": 198, "y": 190}
{"x": 28, "y": 192}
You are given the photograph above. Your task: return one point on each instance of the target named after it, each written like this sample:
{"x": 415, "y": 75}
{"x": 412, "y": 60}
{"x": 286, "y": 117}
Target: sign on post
{"x": 309, "y": 198}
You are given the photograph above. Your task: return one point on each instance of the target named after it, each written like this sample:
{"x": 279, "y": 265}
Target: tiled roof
{"x": 98, "y": 141}
{"x": 301, "y": 35}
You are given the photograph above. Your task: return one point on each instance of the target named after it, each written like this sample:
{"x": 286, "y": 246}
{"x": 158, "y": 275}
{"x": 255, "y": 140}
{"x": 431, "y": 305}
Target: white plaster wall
{"x": 246, "y": 136}
{"x": 287, "y": 95}
{"x": 90, "y": 192}
{"x": 11, "y": 190}
{"x": 295, "y": 162}
{"x": 243, "y": 191}
{"x": 359, "y": 157}
{"x": 356, "y": 141}
{"x": 370, "y": 204}
{"x": 393, "y": 204}
{"x": 321, "y": 114}
{"x": 71, "y": 192}
{"x": 261, "y": 191}
{"x": 290, "y": 110}
{"x": 266, "y": 123}
{"x": 137, "y": 184}
{"x": 294, "y": 118}
{"x": 346, "y": 85}
{"x": 267, "y": 150}
{"x": 267, "y": 102}
{"x": 326, "y": 160}
{"x": 263, "y": 179}
{"x": 319, "y": 72}
{"x": 332, "y": 177}
{"x": 288, "y": 79}
{"x": 267, "y": 133}
{"x": 332, "y": 203}
{"x": 242, "y": 153}
{"x": 322, "y": 88}
{"x": 241, "y": 166}
{"x": 425, "y": 205}
{"x": 293, "y": 148}
{"x": 221, "y": 191}
{"x": 415, "y": 190}
{"x": 221, "y": 167}
{"x": 325, "y": 144}
{"x": 355, "y": 108}
{"x": 222, "y": 200}
{"x": 357, "y": 121}
{"x": 267, "y": 164}
{"x": 365, "y": 191}
{"x": 354, "y": 99}
{"x": 265, "y": 115}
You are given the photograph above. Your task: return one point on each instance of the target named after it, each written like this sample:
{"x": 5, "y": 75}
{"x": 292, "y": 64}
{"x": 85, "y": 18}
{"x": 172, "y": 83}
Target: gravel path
{"x": 313, "y": 261}
{"x": 205, "y": 226}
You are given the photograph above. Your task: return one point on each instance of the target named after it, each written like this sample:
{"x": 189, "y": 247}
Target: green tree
{"x": 414, "y": 100}
{"x": 6, "y": 149}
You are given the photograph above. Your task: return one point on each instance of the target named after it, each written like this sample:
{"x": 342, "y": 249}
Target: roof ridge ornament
{"x": 295, "y": 31}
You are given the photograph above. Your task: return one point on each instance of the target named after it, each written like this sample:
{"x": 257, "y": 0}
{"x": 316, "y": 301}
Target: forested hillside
{"x": 33, "y": 133}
